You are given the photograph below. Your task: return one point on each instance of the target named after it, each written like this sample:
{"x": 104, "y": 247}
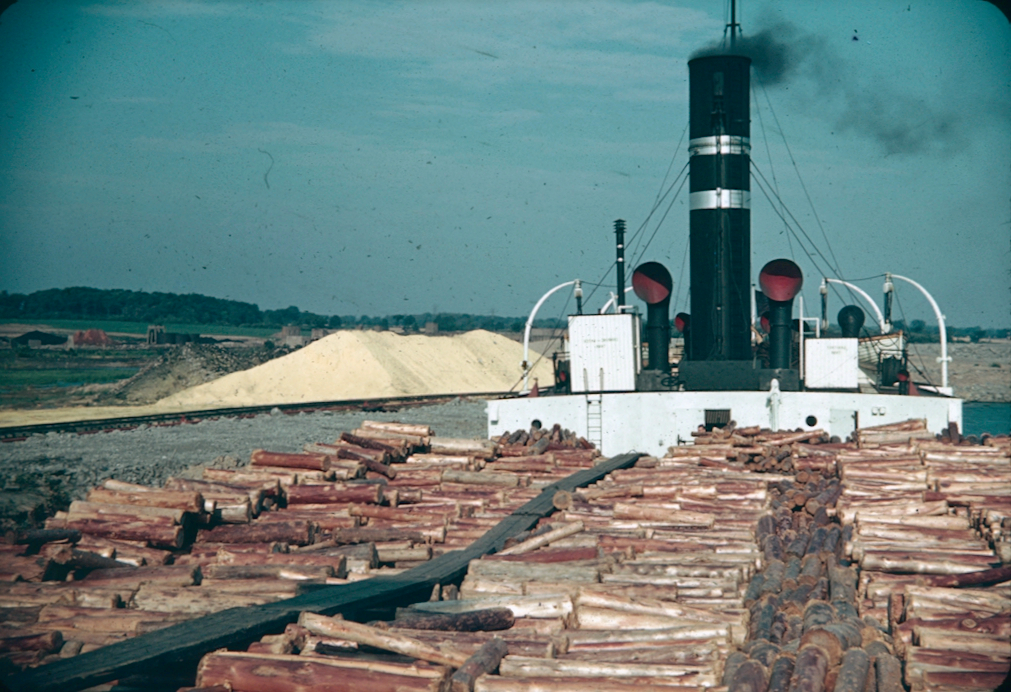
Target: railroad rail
{"x": 22, "y": 432}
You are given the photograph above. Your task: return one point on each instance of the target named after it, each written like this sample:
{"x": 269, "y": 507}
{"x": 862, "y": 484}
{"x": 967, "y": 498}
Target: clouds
{"x": 603, "y": 45}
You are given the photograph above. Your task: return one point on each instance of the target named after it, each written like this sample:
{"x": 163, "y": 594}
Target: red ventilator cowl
{"x": 781, "y": 280}
{"x": 652, "y": 282}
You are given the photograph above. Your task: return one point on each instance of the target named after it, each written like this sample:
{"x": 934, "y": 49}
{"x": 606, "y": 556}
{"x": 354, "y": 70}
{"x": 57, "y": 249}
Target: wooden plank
{"x": 186, "y": 642}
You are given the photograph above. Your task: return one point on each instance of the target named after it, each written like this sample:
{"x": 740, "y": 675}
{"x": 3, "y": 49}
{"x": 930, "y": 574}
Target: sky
{"x": 386, "y": 158}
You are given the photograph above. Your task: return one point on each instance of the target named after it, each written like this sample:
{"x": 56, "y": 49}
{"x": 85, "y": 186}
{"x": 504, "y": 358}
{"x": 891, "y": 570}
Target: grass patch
{"x": 140, "y": 328}
{"x": 62, "y": 377}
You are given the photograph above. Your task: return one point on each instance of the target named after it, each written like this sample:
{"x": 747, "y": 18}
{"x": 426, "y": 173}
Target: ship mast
{"x": 733, "y": 24}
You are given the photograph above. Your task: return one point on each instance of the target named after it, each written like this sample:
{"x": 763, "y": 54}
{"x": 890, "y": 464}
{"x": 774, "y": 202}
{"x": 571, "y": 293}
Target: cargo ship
{"x": 749, "y": 355}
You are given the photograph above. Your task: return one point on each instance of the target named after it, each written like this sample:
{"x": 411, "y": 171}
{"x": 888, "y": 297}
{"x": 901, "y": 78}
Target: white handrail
{"x": 885, "y": 327}
{"x": 943, "y": 360}
{"x": 610, "y": 301}
{"x": 526, "y": 333}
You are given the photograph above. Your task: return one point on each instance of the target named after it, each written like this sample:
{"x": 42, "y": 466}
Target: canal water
{"x": 979, "y": 417}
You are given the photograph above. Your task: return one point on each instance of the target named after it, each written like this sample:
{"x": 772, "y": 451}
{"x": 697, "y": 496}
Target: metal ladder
{"x": 594, "y": 426}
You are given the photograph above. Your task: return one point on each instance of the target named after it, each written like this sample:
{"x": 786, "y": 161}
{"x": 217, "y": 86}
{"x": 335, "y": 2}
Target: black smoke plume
{"x": 899, "y": 123}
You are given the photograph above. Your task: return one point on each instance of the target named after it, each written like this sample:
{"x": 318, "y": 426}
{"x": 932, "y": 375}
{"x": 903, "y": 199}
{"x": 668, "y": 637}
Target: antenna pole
{"x": 733, "y": 23}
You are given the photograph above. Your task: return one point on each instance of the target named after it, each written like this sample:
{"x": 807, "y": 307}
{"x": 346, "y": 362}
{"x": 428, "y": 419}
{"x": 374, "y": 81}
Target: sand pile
{"x": 363, "y": 365}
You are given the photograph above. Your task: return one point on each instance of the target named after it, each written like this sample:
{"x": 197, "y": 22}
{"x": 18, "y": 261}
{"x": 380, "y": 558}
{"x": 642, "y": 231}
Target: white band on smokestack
{"x": 725, "y": 144}
{"x": 720, "y": 199}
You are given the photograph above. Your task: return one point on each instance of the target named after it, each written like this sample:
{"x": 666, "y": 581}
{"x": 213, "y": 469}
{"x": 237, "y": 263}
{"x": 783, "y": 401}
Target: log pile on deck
{"x": 877, "y": 564}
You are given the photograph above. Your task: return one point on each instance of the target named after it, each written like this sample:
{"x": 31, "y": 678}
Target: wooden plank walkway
{"x": 183, "y": 644}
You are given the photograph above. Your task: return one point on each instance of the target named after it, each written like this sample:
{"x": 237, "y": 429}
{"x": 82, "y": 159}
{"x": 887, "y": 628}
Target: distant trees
{"x": 192, "y": 308}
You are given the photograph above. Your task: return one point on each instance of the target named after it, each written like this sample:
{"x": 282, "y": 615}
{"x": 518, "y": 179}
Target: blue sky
{"x": 389, "y": 158}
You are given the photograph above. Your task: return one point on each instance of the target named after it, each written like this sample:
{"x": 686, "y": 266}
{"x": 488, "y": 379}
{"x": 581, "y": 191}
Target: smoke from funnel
{"x": 899, "y": 123}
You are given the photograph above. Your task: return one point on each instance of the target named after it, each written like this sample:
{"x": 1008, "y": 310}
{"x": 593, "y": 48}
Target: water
{"x": 979, "y": 417}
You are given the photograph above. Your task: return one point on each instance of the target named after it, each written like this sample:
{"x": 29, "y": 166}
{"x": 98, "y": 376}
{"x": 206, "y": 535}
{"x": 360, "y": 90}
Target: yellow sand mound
{"x": 363, "y": 365}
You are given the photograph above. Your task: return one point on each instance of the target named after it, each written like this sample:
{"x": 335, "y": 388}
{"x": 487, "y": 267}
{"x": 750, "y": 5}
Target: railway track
{"x": 83, "y": 427}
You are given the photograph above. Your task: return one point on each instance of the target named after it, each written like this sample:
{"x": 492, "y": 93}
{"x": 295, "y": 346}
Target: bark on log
{"x": 568, "y": 683}
{"x": 395, "y": 450}
{"x": 853, "y": 672}
{"x": 275, "y": 571}
{"x": 842, "y": 583}
{"x": 373, "y": 535}
{"x": 80, "y": 509}
{"x": 504, "y": 480}
{"x": 452, "y": 445}
{"x": 989, "y": 577}
{"x": 40, "y": 536}
{"x": 293, "y": 533}
{"x": 45, "y": 642}
{"x": 154, "y": 534}
{"x": 371, "y": 636}
{"x": 411, "y": 429}
{"x": 809, "y": 670}
{"x": 331, "y": 494}
{"x": 547, "y": 555}
{"x": 751, "y": 676}
{"x": 73, "y": 558}
{"x": 280, "y": 673}
{"x": 185, "y": 501}
{"x": 315, "y": 462}
{"x": 487, "y": 620}
{"x": 167, "y": 575}
{"x": 965, "y": 680}
{"x": 780, "y": 674}
{"x": 542, "y": 606}
{"x": 543, "y": 539}
{"x": 484, "y": 660}
{"x": 521, "y": 666}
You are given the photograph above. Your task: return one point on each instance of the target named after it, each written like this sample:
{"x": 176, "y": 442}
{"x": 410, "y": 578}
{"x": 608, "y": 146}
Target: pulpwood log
{"x": 339, "y": 628}
{"x": 564, "y": 683}
{"x": 488, "y": 619}
{"x": 316, "y": 462}
{"x": 185, "y": 501}
{"x": 484, "y": 660}
{"x": 279, "y": 673}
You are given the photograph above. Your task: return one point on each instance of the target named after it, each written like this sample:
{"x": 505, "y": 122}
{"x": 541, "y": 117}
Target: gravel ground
{"x": 45, "y": 472}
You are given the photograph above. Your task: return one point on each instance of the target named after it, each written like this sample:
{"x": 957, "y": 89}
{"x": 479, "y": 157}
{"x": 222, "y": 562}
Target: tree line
{"x": 81, "y": 303}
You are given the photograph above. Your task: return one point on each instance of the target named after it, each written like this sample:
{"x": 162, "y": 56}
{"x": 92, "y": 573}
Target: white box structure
{"x": 604, "y": 352}
{"x": 831, "y": 364}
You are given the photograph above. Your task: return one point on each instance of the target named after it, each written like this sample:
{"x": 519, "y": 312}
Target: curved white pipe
{"x": 940, "y": 325}
{"x": 885, "y": 327}
{"x": 610, "y": 301}
{"x": 526, "y": 332}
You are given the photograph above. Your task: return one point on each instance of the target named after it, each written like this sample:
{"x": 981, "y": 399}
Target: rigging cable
{"x": 772, "y": 167}
{"x": 759, "y": 180}
{"x": 664, "y": 217}
{"x": 801, "y": 180}
{"x": 643, "y": 226}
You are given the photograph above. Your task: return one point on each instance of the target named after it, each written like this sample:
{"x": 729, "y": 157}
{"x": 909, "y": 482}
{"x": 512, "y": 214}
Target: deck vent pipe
{"x": 652, "y": 283}
{"x": 851, "y": 319}
{"x": 781, "y": 280}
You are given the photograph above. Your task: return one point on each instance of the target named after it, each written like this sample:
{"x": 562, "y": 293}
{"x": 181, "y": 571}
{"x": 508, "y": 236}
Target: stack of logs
{"x": 621, "y": 589}
{"x": 868, "y": 565}
{"x": 132, "y": 558}
{"x": 928, "y": 522}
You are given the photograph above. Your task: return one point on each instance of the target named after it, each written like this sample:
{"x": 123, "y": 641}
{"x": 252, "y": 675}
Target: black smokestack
{"x": 720, "y": 202}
